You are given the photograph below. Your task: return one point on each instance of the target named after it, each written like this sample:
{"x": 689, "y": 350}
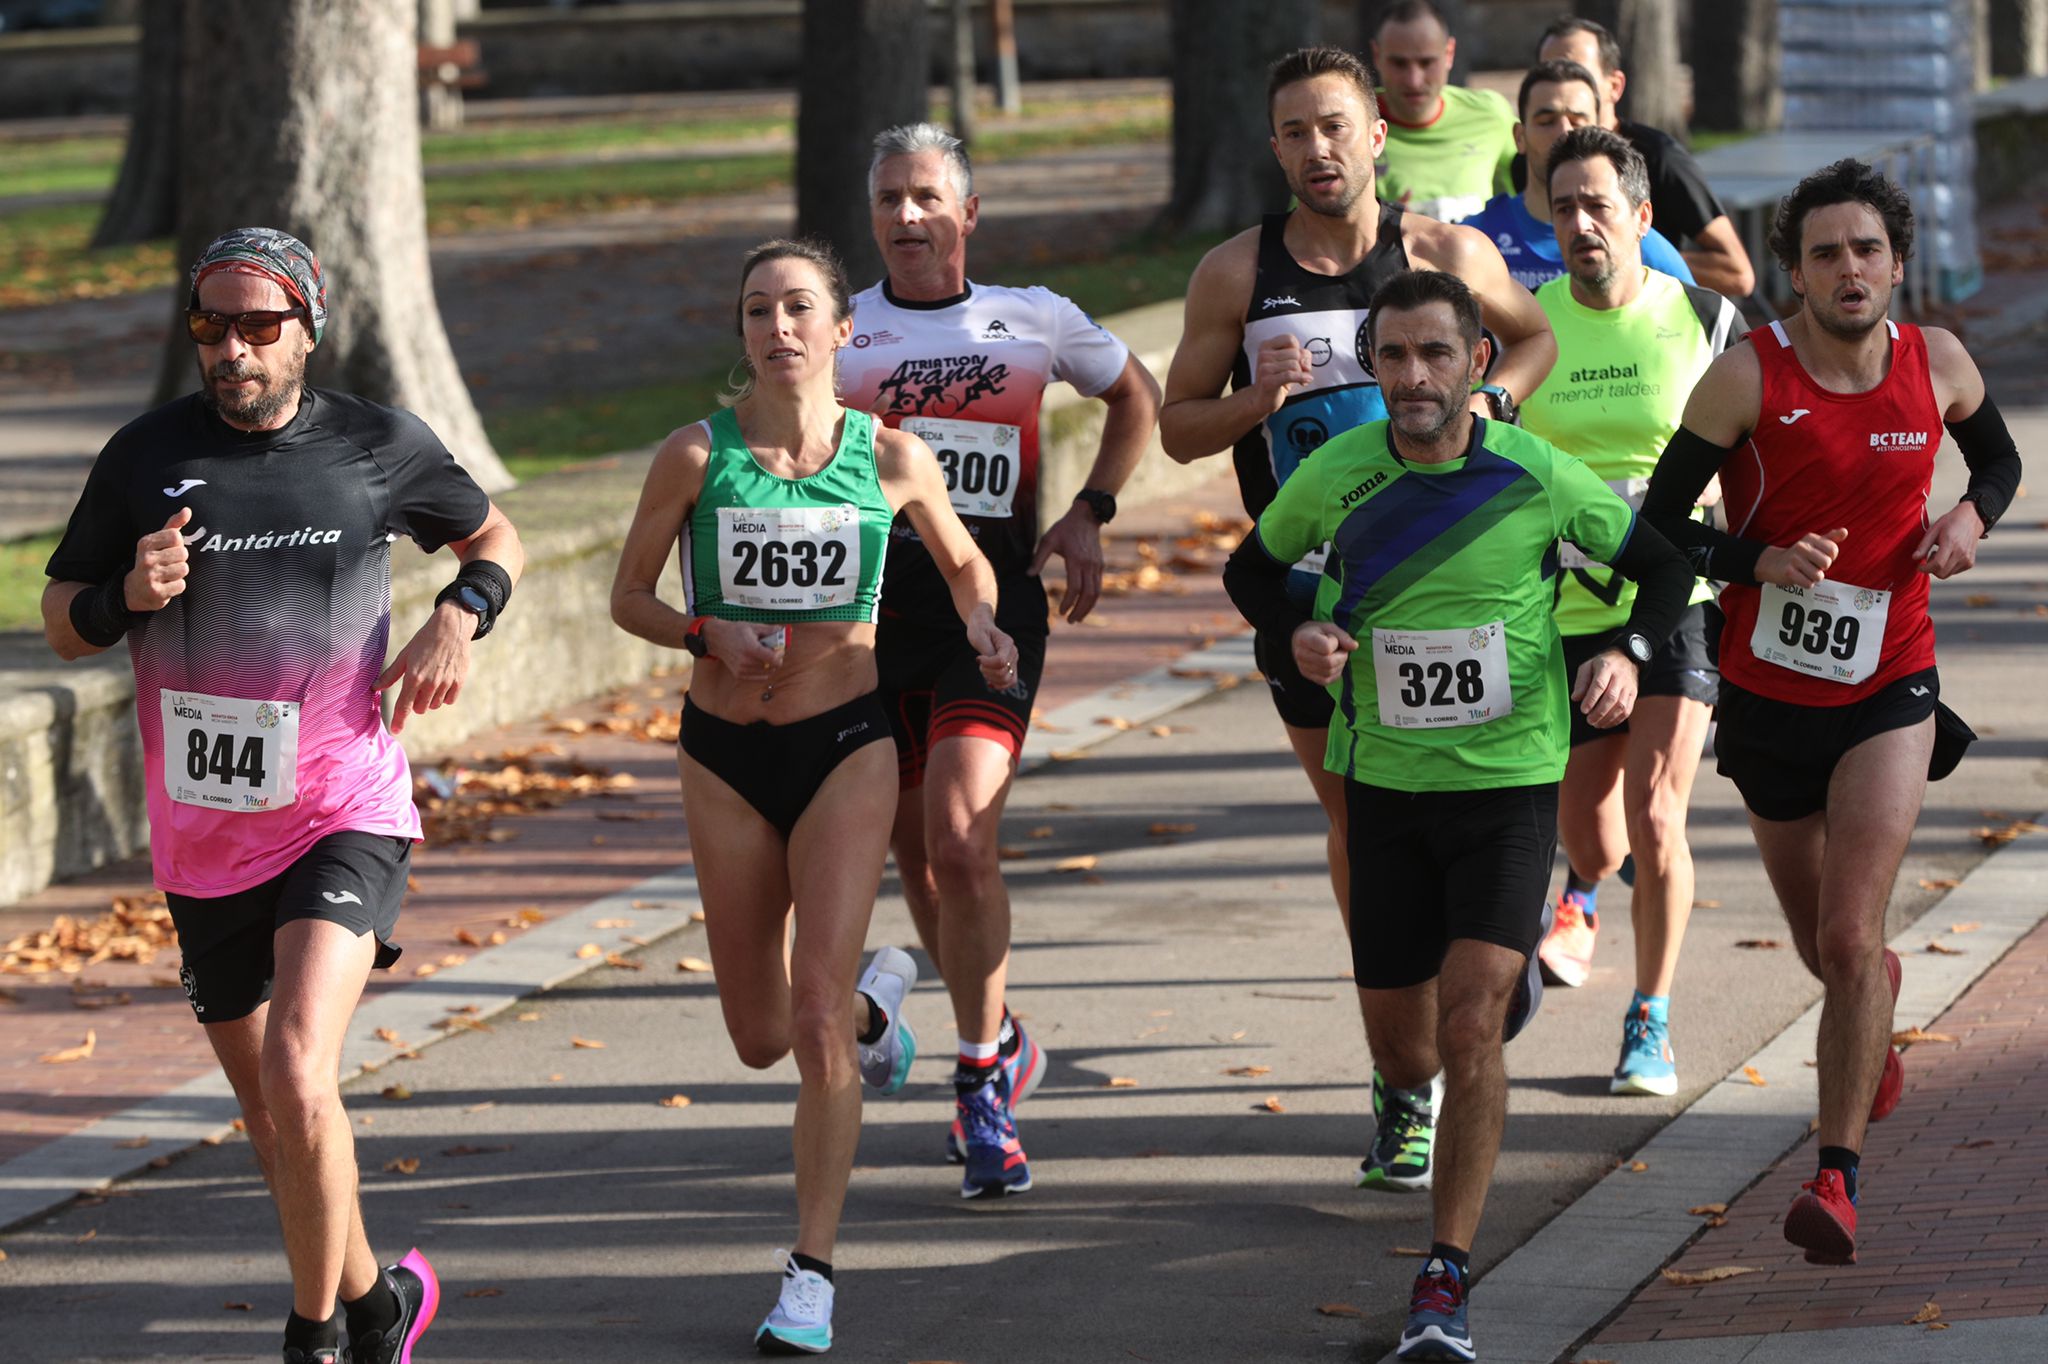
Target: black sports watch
{"x": 694, "y": 643}
{"x": 1635, "y": 646}
{"x": 1101, "y": 503}
{"x": 472, "y": 601}
{"x": 1500, "y": 402}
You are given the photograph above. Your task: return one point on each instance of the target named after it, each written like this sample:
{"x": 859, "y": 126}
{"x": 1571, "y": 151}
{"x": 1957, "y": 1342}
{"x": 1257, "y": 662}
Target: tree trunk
{"x": 144, "y": 204}
{"x": 866, "y": 64}
{"x": 1648, "y": 33}
{"x": 2019, "y": 37}
{"x": 318, "y": 135}
{"x": 1224, "y": 174}
{"x": 1735, "y": 42}
{"x": 120, "y": 13}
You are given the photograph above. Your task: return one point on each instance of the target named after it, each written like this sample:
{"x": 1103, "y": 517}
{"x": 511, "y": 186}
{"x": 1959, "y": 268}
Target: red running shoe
{"x": 1893, "y": 1082}
{"x": 1822, "y": 1221}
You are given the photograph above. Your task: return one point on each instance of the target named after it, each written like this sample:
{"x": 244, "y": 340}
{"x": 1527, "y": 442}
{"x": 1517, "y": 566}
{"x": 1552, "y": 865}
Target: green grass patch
{"x": 22, "y": 580}
{"x": 61, "y": 164}
{"x": 44, "y": 258}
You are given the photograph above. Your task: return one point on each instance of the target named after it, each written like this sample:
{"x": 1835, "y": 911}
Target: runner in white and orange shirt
{"x": 239, "y": 540}
{"x": 964, "y": 365}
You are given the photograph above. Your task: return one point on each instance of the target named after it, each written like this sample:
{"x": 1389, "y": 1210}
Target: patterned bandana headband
{"x": 276, "y": 256}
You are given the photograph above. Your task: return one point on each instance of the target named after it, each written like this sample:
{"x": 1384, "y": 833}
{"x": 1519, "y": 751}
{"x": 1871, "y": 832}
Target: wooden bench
{"x": 457, "y": 66}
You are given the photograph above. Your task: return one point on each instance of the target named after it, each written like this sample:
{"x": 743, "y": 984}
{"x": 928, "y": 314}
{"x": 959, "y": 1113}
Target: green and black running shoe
{"x": 1404, "y": 1136}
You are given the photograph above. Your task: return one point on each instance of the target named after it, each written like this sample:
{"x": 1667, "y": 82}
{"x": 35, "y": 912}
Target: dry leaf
{"x": 1010, "y": 852}
{"x": 1978, "y": 1145}
{"x": 1042, "y": 831}
{"x": 1942, "y": 1325}
{"x": 484, "y": 1293}
{"x": 1409, "y": 1252}
{"x": 1119, "y": 1082}
{"x": 1971, "y": 927}
{"x": 81, "y": 1240}
{"x": 497, "y": 938}
{"x": 1091, "y": 879}
{"x": 389, "y": 1035}
{"x": 613, "y": 923}
{"x": 1944, "y": 950}
{"x": 1706, "y": 904}
{"x": 1338, "y": 1309}
{"x": 623, "y": 963}
{"x": 1708, "y": 1210}
{"x": 693, "y": 964}
{"x": 160, "y": 1163}
{"x": 1945, "y": 883}
{"x": 81, "y": 1052}
{"x": 589, "y": 950}
{"x": 1249, "y": 1072}
{"x": 468, "y": 1150}
{"x": 1694, "y": 1278}
{"x": 1760, "y": 944}
{"x": 396, "y": 1093}
{"x": 529, "y": 1017}
{"x": 403, "y": 1165}
{"x": 586, "y": 1044}
{"x": 1638, "y": 1166}
{"x": 1240, "y": 1034}
{"x": 1754, "y": 1076}
{"x": 1930, "y": 1312}
{"x": 1162, "y": 829}
{"x": 478, "y": 1108}
{"x": 1980, "y": 600}
{"x": 1717, "y": 1221}
{"x": 237, "y": 1307}
{"x": 425, "y": 969}
{"x": 1273, "y": 1104}
{"x": 1912, "y": 1035}
{"x": 676, "y": 1101}
{"x": 1085, "y": 862}
{"x": 132, "y": 1144}
{"x": 463, "y": 1009}
{"x": 467, "y": 938}
{"x": 528, "y": 914}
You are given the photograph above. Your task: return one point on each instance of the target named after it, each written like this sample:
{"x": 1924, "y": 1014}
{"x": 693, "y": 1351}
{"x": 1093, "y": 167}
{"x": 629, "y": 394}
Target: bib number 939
{"x": 1832, "y": 630}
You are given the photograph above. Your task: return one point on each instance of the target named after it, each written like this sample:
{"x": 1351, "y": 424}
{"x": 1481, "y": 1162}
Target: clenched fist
{"x": 160, "y": 566}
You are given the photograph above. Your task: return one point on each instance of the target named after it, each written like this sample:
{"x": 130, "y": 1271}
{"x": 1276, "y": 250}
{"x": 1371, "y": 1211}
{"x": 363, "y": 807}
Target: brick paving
{"x": 1954, "y": 1196}
{"x": 554, "y": 862}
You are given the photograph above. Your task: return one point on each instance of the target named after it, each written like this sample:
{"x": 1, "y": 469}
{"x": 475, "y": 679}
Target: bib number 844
{"x": 220, "y": 759}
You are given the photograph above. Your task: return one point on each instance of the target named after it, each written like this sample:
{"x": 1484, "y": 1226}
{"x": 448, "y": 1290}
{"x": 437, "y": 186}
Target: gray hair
{"x": 910, "y": 139}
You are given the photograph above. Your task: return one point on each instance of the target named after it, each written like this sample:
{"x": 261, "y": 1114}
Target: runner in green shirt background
{"x": 1449, "y": 149}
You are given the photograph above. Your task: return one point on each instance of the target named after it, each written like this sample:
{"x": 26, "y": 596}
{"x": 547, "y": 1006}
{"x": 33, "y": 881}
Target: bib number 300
{"x": 1436, "y": 679}
{"x": 789, "y": 558}
{"x": 225, "y": 753}
{"x": 1831, "y": 630}
{"x": 978, "y": 458}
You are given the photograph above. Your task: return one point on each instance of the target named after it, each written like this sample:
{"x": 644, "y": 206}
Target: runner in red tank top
{"x": 1823, "y": 429}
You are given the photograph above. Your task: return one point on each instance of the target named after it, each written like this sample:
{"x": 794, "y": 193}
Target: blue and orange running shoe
{"x": 1647, "y": 1064}
{"x": 1436, "y": 1326}
{"x": 1565, "y": 955}
{"x": 419, "y": 1298}
{"x": 1025, "y": 1067}
{"x": 996, "y": 1166}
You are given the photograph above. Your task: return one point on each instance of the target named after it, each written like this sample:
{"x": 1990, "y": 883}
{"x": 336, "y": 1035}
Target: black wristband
{"x": 486, "y": 580}
{"x": 100, "y": 614}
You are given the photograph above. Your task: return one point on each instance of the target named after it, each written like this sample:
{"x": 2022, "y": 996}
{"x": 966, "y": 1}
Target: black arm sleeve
{"x": 1257, "y": 584}
{"x": 1682, "y": 472}
{"x": 1663, "y": 582}
{"x": 1993, "y": 461}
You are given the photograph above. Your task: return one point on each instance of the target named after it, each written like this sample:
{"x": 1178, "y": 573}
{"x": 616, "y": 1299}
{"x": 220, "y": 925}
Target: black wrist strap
{"x": 490, "y": 582}
{"x": 100, "y": 614}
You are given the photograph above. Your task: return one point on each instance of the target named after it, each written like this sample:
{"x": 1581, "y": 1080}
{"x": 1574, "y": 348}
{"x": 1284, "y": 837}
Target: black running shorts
{"x": 1302, "y": 704}
{"x": 1782, "y": 756}
{"x": 1431, "y": 866}
{"x": 356, "y": 880}
{"x": 933, "y": 689}
{"x": 1682, "y": 667}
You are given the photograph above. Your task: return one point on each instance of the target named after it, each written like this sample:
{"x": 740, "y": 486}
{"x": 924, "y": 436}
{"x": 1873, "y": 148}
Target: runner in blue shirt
{"x": 1556, "y": 97}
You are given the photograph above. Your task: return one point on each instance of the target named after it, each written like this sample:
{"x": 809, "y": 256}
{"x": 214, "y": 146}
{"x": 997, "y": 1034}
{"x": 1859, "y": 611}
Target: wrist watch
{"x": 1101, "y": 503}
{"x": 1636, "y": 646}
{"x": 1500, "y": 402}
{"x": 694, "y": 643}
{"x": 472, "y": 601}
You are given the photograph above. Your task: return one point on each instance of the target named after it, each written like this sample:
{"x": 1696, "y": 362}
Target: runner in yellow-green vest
{"x": 1449, "y": 149}
{"x": 1631, "y": 344}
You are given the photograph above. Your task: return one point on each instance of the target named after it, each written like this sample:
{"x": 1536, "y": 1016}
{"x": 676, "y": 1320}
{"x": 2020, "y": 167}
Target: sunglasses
{"x": 258, "y": 329}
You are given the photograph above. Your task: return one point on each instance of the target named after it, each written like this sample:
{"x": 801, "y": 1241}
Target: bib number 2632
{"x": 229, "y": 754}
{"x": 789, "y": 558}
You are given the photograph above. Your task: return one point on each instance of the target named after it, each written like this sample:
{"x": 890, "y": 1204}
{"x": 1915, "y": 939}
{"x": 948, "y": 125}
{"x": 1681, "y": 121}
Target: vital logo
{"x": 185, "y": 487}
{"x": 1898, "y": 440}
{"x": 940, "y": 387}
{"x": 341, "y": 897}
{"x": 1603, "y": 372}
{"x": 1795, "y": 415}
{"x": 1282, "y": 301}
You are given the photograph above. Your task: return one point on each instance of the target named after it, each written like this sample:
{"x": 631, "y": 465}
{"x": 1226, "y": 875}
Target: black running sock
{"x": 819, "y": 1267}
{"x": 377, "y": 1311}
{"x": 1574, "y": 881}
{"x": 1460, "y": 1260}
{"x": 1009, "y": 1039}
{"x": 1843, "y": 1159}
{"x": 300, "y": 1334}
{"x": 878, "y": 1021}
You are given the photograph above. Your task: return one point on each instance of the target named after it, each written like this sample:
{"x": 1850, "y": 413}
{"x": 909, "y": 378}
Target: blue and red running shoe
{"x": 996, "y": 1166}
{"x": 1436, "y": 1326}
{"x": 419, "y": 1298}
{"x": 1025, "y": 1067}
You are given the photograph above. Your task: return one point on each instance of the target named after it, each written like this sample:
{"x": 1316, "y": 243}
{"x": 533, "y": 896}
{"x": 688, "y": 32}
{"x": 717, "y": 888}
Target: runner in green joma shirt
{"x": 1432, "y": 627}
{"x": 1631, "y": 344}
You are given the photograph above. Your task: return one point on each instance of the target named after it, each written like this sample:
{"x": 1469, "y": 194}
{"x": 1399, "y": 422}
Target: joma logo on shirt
{"x": 270, "y": 539}
{"x": 1362, "y": 489}
{"x": 1898, "y": 440}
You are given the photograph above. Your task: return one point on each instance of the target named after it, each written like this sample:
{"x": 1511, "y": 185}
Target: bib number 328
{"x": 789, "y": 558}
{"x": 1437, "y": 679}
{"x": 225, "y": 753}
{"x": 1831, "y": 630}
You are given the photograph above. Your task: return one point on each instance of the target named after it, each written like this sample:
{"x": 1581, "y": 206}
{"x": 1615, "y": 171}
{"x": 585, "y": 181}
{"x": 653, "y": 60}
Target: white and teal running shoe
{"x": 801, "y": 1323}
{"x": 885, "y": 1064}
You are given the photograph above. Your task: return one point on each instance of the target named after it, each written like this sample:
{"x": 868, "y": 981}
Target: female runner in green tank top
{"x": 782, "y": 503}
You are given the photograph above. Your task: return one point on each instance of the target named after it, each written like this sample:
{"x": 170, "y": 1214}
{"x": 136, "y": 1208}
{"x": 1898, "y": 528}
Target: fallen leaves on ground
{"x": 624, "y": 963}
{"x": 1685, "y": 1278}
{"x": 465, "y": 1149}
{"x": 1982, "y": 1143}
{"x": 461, "y": 1023}
{"x": 132, "y": 1144}
{"x": 1930, "y": 1312}
{"x": 396, "y": 1093}
{"x": 1636, "y": 1167}
{"x": 1084, "y": 862}
{"x": 402, "y": 1165}
{"x": 81, "y": 1240}
{"x": 1942, "y": 949}
{"x": 81, "y": 1052}
{"x": 1980, "y": 600}
{"x": 1249, "y": 1072}
{"x": 1408, "y": 1252}
{"x": 484, "y": 1293}
{"x": 1272, "y": 1104}
{"x": 238, "y": 1307}
{"x": 1942, "y": 883}
{"x": 1338, "y": 1309}
{"x": 589, "y": 951}
{"x": 1909, "y": 1036}
{"x": 1042, "y": 831}
{"x": 1010, "y": 852}
{"x": 586, "y": 1044}
{"x": 1119, "y": 1082}
{"x": 1754, "y": 1076}
{"x": 1708, "y": 1210}
{"x": 693, "y": 964}
{"x": 529, "y": 1017}
{"x": 1759, "y": 944}
{"x": 479, "y": 1108}
{"x": 518, "y": 784}
{"x": 135, "y": 928}
{"x": 112, "y": 1001}
{"x": 389, "y": 1035}
{"x": 1999, "y": 837}
{"x": 676, "y": 1101}
{"x": 1162, "y": 828}
{"x": 1971, "y": 927}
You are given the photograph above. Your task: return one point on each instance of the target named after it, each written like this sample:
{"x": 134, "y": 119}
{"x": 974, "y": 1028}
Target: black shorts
{"x": 1302, "y": 704}
{"x": 778, "y": 769}
{"x": 356, "y": 880}
{"x": 1431, "y": 866}
{"x": 932, "y": 689}
{"x": 1682, "y": 667}
{"x": 1782, "y": 756}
